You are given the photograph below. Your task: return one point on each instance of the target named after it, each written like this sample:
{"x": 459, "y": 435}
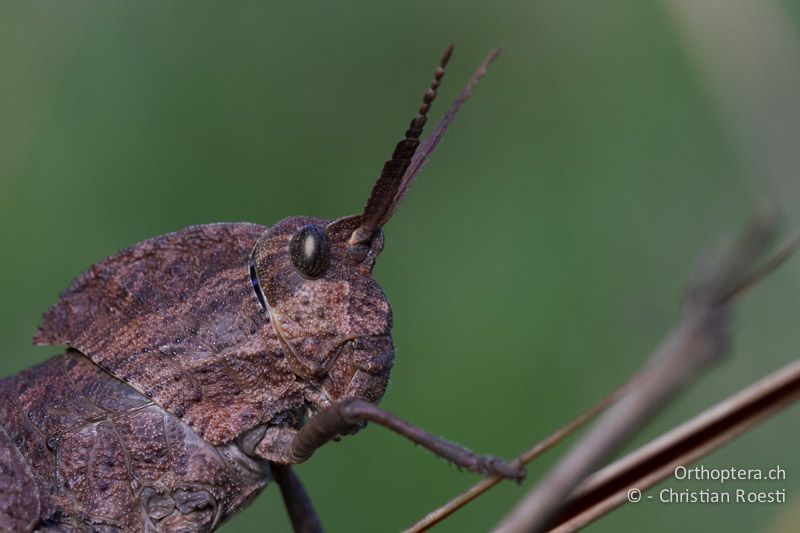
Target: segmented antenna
{"x": 385, "y": 189}
{"x": 409, "y": 156}
{"x": 427, "y": 147}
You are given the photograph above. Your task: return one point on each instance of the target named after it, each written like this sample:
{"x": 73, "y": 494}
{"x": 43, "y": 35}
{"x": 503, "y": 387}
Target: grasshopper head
{"x": 314, "y": 277}
{"x": 328, "y": 311}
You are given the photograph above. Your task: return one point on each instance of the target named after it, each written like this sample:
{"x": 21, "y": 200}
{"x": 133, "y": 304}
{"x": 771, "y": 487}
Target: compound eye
{"x": 310, "y": 251}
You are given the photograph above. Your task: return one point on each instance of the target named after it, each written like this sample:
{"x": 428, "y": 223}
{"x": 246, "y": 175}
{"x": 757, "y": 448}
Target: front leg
{"x": 290, "y": 446}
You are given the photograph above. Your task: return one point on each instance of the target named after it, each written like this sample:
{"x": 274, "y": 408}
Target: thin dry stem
{"x": 436, "y": 516}
{"x": 641, "y": 469}
{"x": 697, "y": 340}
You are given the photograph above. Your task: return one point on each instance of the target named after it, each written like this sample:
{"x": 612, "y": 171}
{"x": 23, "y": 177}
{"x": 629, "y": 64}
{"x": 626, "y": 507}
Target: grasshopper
{"x": 202, "y": 364}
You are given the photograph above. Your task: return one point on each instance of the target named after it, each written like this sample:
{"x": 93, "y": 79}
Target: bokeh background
{"x": 539, "y": 258}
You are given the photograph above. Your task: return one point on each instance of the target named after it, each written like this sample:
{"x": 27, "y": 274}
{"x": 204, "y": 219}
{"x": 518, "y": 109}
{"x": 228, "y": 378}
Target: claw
{"x": 498, "y": 467}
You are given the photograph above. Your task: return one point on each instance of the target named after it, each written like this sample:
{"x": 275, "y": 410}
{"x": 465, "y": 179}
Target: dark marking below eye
{"x": 256, "y": 284}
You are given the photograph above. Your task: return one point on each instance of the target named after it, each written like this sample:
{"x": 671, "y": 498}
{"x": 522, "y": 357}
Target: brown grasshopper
{"x": 203, "y": 363}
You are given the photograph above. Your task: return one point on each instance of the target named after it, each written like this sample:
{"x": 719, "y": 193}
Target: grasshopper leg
{"x": 298, "y": 505}
{"x": 348, "y": 416}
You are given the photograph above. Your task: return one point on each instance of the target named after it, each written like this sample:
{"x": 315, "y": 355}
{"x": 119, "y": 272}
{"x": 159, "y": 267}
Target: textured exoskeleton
{"x": 178, "y": 318}
{"x": 202, "y": 362}
{"x": 206, "y": 392}
{"x": 82, "y": 451}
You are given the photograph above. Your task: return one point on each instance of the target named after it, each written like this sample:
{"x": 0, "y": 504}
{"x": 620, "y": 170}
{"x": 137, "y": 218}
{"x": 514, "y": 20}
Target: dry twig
{"x": 696, "y": 341}
{"x": 641, "y": 469}
{"x": 699, "y": 339}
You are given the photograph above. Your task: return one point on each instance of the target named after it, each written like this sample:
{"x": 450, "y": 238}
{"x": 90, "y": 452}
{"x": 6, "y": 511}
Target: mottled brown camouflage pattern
{"x": 180, "y": 376}
{"x": 82, "y": 451}
{"x": 341, "y": 318}
{"x": 177, "y": 319}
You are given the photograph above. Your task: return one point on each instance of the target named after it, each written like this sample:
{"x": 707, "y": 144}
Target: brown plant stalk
{"x": 697, "y": 340}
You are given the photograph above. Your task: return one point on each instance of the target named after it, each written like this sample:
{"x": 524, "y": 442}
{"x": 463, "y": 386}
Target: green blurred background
{"x": 539, "y": 258}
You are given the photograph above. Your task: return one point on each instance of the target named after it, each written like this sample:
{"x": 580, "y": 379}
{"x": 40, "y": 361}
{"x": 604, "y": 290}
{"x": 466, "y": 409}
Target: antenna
{"x": 385, "y": 189}
{"x": 399, "y": 172}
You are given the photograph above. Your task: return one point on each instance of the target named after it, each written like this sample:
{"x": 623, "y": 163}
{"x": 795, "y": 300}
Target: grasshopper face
{"x": 330, "y": 314}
